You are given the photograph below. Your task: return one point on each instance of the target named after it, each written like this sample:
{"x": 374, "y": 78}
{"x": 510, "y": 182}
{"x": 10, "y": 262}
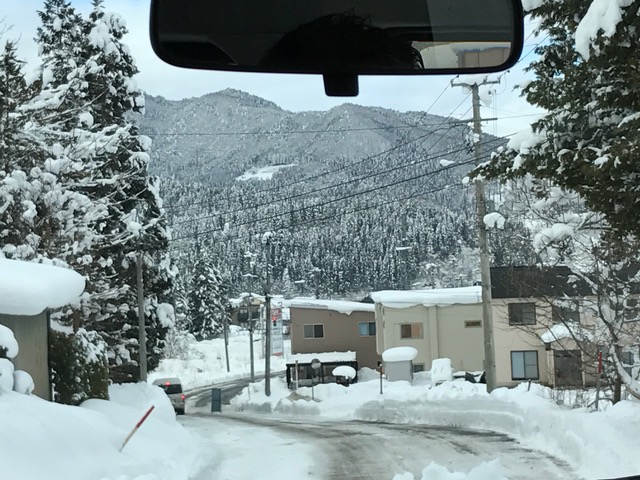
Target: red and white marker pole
{"x": 135, "y": 429}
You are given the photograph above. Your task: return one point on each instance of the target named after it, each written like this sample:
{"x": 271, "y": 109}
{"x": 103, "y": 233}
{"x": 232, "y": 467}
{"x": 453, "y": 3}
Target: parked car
{"x": 173, "y": 388}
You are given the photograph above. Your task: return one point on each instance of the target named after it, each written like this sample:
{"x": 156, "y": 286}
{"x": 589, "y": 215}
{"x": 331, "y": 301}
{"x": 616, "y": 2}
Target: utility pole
{"x": 226, "y": 339}
{"x": 142, "y": 332}
{"x": 267, "y": 334}
{"x": 485, "y": 267}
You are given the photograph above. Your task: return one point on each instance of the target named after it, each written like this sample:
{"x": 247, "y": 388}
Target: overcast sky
{"x": 291, "y": 92}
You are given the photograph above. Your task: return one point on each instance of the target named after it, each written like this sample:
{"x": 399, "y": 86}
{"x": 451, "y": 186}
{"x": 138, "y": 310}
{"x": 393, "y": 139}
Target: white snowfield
{"x": 263, "y": 173}
{"x": 28, "y": 288}
{"x": 437, "y": 297}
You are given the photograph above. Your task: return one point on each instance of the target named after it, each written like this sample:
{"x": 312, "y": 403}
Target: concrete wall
{"x": 32, "y": 334}
{"x": 340, "y": 334}
{"x": 444, "y": 333}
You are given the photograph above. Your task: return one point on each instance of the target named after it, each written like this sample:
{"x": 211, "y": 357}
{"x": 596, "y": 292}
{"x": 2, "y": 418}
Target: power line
{"x": 398, "y": 182}
{"x": 329, "y": 187}
{"x": 335, "y": 200}
{"x": 370, "y": 157}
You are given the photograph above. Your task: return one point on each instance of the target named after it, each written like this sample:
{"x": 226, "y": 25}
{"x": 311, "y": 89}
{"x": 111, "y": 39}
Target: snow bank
{"x": 399, "y": 354}
{"x": 485, "y": 471}
{"x": 437, "y": 297}
{"x": 82, "y": 443}
{"x": 341, "y": 306}
{"x": 28, "y": 288}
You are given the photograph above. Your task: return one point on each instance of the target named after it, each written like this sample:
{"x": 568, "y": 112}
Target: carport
{"x": 329, "y": 361}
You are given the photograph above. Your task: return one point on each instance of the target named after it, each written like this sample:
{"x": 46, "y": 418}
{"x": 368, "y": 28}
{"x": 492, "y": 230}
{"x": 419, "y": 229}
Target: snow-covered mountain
{"x": 371, "y": 197}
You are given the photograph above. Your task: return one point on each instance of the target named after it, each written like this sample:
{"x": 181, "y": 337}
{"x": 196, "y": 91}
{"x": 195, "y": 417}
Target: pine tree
{"x": 587, "y": 78}
{"x": 207, "y": 302}
{"x": 135, "y": 221}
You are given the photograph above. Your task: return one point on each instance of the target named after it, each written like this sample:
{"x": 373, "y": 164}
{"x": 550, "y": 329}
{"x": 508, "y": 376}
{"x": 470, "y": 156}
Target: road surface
{"x": 201, "y": 397}
{"x": 239, "y": 446}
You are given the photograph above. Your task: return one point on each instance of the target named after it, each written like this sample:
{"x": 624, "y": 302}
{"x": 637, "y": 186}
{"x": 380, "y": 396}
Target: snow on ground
{"x": 41, "y": 439}
{"x": 206, "y": 363}
{"x": 485, "y": 471}
{"x": 263, "y": 173}
{"x": 597, "y": 444}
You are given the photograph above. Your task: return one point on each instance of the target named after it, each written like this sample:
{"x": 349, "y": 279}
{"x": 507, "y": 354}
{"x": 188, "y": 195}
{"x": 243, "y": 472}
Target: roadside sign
{"x": 277, "y": 341}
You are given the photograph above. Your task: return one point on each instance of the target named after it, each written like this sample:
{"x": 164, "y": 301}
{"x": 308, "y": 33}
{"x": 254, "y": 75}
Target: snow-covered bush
{"x": 10, "y": 378}
{"x": 79, "y": 367}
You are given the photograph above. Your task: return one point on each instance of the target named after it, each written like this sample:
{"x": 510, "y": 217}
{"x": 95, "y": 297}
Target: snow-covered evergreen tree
{"x": 207, "y": 302}
{"x": 586, "y": 78}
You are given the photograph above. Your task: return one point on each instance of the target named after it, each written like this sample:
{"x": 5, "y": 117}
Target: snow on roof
{"x": 441, "y": 297}
{"x": 561, "y": 330}
{"x": 28, "y": 288}
{"x": 342, "y": 306}
{"x": 399, "y": 354}
{"x": 344, "y": 371}
{"x": 324, "y": 357}
{"x": 240, "y": 300}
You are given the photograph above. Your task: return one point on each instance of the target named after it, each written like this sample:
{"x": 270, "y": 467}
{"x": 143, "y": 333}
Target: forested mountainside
{"x": 358, "y": 198}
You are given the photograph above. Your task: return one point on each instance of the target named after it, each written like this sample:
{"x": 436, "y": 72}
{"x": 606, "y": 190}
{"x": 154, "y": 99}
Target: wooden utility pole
{"x": 267, "y": 334}
{"x": 142, "y": 336}
{"x": 485, "y": 266}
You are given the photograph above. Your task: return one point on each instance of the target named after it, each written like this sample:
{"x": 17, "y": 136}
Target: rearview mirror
{"x": 339, "y": 39}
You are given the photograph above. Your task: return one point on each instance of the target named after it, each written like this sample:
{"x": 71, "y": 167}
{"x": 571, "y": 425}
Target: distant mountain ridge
{"x": 220, "y": 135}
{"x": 372, "y": 198}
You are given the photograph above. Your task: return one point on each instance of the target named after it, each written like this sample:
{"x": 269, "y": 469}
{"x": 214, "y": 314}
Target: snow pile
{"x": 441, "y": 370}
{"x": 399, "y": 354}
{"x": 206, "y": 363}
{"x": 28, "y": 288}
{"x": 341, "y": 306}
{"x": 437, "y": 297}
{"x": 82, "y": 443}
{"x": 485, "y": 471}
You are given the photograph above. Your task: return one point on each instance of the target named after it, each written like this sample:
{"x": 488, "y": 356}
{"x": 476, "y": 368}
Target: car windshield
{"x": 436, "y": 278}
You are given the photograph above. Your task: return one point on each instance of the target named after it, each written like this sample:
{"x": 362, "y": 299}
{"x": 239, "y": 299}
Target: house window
{"x": 367, "y": 329}
{"x": 563, "y": 314}
{"x": 472, "y": 324}
{"x": 411, "y": 330}
{"x": 418, "y": 367}
{"x": 522, "y": 314}
{"x": 524, "y": 365}
{"x": 314, "y": 331}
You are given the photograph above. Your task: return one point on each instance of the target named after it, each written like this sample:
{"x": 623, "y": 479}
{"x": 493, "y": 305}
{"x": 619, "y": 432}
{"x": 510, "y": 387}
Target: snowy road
{"x": 247, "y": 447}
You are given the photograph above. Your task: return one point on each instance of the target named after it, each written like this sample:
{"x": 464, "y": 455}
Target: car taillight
{"x": 183, "y": 397}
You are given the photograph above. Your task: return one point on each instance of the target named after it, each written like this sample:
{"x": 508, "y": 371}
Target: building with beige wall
{"x": 438, "y": 323}
{"x": 319, "y": 326}
{"x": 538, "y": 320}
